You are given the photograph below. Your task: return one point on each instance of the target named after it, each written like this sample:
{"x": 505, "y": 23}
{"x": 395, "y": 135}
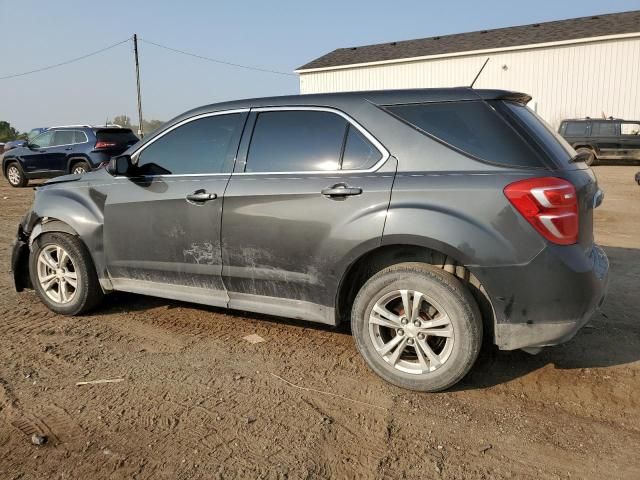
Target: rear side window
{"x": 630, "y": 129}
{"x": 472, "y": 127}
{"x": 296, "y": 141}
{"x": 79, "y": 137}
{"x": 359, "y": 153}
{"x": 603, "y": 129}
{"x": 206, "y": 145}
{"x": 576, "y": 129}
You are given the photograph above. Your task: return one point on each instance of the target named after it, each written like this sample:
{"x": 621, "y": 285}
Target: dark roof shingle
{"x": 560, "y": 30}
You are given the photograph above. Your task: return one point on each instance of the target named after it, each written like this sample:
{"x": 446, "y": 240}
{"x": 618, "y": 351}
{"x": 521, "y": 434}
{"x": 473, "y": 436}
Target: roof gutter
{"x": 531, "y": 46}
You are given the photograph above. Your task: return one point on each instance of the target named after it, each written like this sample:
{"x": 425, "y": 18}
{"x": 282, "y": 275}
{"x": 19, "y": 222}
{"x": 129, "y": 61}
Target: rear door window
{"x": 603, "y": 129}
{"x": 296, "y": 141}
{"x": 473, "y": 128}
{"x": 576, "y": 129}
{"x": 63, "y": 137}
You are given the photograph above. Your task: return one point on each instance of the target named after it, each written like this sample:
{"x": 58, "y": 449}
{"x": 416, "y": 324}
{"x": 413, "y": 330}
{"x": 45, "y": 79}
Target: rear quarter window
{"x": 471, "y": 127}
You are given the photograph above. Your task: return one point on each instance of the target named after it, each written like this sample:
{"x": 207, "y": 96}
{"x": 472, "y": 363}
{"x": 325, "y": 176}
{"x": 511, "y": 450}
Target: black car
{"x": 430, "y": 219}
{"x": 603, "y": 139}
{"x": 62, "y": 150}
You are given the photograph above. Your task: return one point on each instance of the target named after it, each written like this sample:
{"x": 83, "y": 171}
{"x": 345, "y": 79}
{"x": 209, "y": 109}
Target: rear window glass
{"x": 603, "y": 129}
{"x": 472, "y": 127}
{"x": 575, "y": 129}
{"x": 118, "y": 135}
{"x": 538, "y": 132}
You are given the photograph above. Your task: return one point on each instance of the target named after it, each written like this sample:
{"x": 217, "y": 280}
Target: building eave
{"x": 532, "y": 46}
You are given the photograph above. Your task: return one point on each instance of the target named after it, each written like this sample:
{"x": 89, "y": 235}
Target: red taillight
{"x": 549, "y": 204}
{"x": 101, "y": 144}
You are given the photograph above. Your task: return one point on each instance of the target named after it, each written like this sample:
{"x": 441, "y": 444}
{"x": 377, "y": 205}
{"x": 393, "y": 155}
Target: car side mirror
{"x": 120, "y": 165}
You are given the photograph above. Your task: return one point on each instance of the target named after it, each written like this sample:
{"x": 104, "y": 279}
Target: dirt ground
{"x": 198, "y": 401}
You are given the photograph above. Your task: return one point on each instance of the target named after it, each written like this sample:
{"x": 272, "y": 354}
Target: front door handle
{"x": 341, "y": 190}
{"x": 200, "y": 196}
{"x": 69, "y": 148}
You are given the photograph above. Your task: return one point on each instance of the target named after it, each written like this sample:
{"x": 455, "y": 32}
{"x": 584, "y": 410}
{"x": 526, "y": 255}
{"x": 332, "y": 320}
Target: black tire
{"x": 88, "y": 292}
{"x": 593, "y": 159}
{"x": 81, "y": 165}
{"x": 454, "y": 298}
{"x": 15, "y": 175}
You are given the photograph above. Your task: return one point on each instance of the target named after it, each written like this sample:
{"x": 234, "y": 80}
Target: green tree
{"x": 122, "y": 120}
{"x": 7, "y": 132}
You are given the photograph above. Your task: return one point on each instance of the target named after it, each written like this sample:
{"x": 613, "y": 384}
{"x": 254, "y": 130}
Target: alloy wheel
{"x": 411, "y": 331}
{"x": 57, "y": 274}
{"x": 79, "y": 170}
{"x": 13, "y": 174}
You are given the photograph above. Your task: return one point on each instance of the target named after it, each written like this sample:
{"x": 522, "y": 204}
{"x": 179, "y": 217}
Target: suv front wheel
{"x": 15, "y": 175}
{"x": 63, "y": 274}
{"x": 417, "y": 327}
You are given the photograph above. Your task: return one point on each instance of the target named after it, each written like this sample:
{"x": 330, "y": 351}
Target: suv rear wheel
{"x": 63, "y": 274}
{"x": 80, "y": 168}
{"x": 15, "y": 176}
{"x": 417, "y": 327}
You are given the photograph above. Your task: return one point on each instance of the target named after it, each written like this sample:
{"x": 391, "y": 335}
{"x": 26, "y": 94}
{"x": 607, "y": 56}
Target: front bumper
{"x": 547, "y": 301}
{"x": 20, "y": 261}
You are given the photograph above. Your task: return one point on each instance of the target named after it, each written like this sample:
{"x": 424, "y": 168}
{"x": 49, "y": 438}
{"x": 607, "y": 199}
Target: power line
{"x": 222, "y": 62}
{"x": 66, "y": 62}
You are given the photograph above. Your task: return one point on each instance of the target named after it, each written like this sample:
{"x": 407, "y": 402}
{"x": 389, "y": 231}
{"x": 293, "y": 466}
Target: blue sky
{"x": 279, "y": 35}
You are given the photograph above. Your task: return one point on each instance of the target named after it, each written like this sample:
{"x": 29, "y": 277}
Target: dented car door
{"x": 162, "y": 224}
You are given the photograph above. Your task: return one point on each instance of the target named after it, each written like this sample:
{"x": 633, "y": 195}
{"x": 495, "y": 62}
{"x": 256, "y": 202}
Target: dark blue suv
{"x": 62, "y": 150}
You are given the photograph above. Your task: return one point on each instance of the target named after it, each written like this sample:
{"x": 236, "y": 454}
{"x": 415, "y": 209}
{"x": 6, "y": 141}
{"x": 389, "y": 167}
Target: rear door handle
{"x": 69, "y": 148}
{"x": 341, "y": 190}
{"x": 200, "y": 196}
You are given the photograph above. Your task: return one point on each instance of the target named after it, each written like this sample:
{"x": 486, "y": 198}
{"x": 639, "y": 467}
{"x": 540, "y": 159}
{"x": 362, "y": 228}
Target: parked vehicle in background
{"x": 430, "y": 219}
{"x": 603, "y": 139}
{"x": 34, "y": 132}
{"x": 62, "y": 150}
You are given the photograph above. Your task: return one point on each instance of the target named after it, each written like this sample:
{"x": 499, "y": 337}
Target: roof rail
{"x": 69, "y": 126}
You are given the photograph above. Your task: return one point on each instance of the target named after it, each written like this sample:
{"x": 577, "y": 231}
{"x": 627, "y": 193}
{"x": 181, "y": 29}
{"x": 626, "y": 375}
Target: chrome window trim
{"x": 381, "y": 148}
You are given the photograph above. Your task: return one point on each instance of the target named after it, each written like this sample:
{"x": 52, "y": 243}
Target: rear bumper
{"x": 548, "y": 300}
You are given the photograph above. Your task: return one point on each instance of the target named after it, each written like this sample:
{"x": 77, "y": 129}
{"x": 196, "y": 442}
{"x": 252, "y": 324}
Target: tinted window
{"x": 359, "y": 153}
{"x": 630, "y": 129}
{"x": 79, "y": 136}
{"x": 576, "y": 129}
{"x": 539, "y": 132}
{"x": 296, "y": 141}
{"x": 603, "y": 129}
{"x": 472, "y": 127}
{"x": 63, "y": 137}
{"x": 43, "y": 140}
{"x": 207, "y": 145}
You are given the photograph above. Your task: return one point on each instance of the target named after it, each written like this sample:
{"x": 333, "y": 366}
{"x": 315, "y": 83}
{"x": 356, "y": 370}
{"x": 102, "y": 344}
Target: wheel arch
{"x": 76, "y": 158}
{"x": 438, "y": 255}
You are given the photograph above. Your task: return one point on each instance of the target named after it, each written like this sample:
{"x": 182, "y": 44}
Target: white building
{"x": 573, "y": 68}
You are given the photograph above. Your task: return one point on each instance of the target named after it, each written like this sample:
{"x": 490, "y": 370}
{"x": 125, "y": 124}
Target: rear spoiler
{"x": 517, "y": 97}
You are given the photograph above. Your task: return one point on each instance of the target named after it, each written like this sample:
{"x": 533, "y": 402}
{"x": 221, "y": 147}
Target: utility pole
{"x": 135, "y": 51}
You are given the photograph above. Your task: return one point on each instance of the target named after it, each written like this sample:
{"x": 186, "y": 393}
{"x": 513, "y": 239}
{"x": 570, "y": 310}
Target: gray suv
{"x": 431, "y": 220}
